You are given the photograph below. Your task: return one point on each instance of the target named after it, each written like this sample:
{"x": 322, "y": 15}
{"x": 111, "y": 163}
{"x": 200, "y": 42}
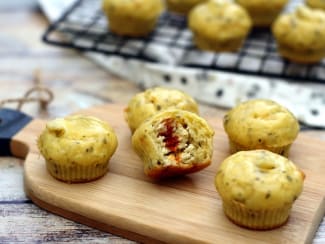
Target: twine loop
{"x": 43, "y": 95}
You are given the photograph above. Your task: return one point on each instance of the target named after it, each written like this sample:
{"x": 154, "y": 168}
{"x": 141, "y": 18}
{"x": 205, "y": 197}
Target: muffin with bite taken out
{"x": 173, "y": 142}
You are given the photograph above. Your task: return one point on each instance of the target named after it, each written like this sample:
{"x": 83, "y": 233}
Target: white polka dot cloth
{"x": 305, "y": 100}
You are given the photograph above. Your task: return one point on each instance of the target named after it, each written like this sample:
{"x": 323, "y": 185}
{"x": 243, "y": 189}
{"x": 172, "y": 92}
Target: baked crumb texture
{"x": 174, "y": 142}
{"x": 258, "y": 188}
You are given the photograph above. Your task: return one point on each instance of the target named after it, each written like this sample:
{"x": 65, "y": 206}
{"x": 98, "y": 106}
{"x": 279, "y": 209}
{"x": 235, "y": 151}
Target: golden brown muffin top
{"x": 316, "y": 3}
{"x": 185, "y": 2}
{"x": 303, "y": 29}
{"x": 139, "y": 8}
{"x": 259, "y": 122}
{"x": 259, "y": 179}
{"x": 220, "y": 19}
{"x": 80, "y": 139}
{"x": 262, "y": 4}
{"x": 147, "y": 103}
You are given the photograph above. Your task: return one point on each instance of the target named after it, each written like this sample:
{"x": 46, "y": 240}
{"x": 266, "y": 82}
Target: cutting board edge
{"x": 319, "y": 215}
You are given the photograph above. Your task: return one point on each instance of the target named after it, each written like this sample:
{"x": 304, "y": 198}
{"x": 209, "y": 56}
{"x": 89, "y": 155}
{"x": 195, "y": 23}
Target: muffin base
{"x": 74, "y": 173}
{"x": 263, "y": 20}
{"x": 131, "y": 27}
{"x": 217, "y": 46}
{"x": 174, "y": 170}
{"x": 235, "y": 147}
{"x": 180, "y": 7}
{"x": 303, "y": 58}
{"x": 265, "y": 219}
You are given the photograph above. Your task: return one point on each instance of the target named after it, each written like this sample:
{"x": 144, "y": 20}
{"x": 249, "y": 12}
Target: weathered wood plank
{"x": 11, "y": 180}
{"x": 18, "y": 225}
{"x": 23, "y": 222}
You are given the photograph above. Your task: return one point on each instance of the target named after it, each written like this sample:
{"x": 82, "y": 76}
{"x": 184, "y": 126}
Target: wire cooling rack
{"x": 84, "y": 27}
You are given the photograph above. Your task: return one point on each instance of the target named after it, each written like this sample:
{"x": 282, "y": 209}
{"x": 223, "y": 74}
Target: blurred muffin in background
{"x": 219, "y": 25}
{"x": 262, "y": 12}
{"x": 300, "y": 35}
{"x": 132, "y": 18}
{"x": 316, "y": 4}
{"x": 182, "y": 6}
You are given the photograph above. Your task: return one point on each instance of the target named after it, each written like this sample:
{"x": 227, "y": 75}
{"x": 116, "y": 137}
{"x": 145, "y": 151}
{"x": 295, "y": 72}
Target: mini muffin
{"x": 260, "y": 124}
{"x": 77, "y": 148}
{"x": 219, "y": 25}
{"x": 173, "y": 142}
{"x": 263, "y": 12}
{"x": 132, "y": 18}
{"x": 258, "y": 188}
{"x": 316, "y": 4}
{"x": 300, "y": 35}
{"x": 182, "y": 6}
{"x": 145, "y": 104}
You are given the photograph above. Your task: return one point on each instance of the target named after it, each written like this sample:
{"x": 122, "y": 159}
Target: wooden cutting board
{"x": 184, "y": 210}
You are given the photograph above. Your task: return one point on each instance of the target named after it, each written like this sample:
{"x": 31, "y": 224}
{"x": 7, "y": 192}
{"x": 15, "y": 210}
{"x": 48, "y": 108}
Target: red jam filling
{"x": 170, "y": 139}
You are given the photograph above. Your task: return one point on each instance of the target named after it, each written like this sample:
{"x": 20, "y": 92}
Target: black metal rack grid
{"x": 84, "y": 27}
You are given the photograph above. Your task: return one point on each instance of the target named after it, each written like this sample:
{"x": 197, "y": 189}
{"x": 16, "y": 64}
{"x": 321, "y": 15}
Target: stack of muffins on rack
{"x": 224, "y": 25}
